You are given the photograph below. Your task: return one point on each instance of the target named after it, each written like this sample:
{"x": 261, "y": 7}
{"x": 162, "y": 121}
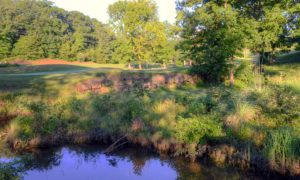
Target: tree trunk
{"x": 164, "y": 66}
{"x": 231, "y": 77}
{"x": 261, "y": 62}
{"x": 140, "y": 66}
{"x": 129, "y": 66}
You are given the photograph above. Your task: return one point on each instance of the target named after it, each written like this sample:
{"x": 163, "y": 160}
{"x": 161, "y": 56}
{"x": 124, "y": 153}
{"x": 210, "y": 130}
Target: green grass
{"x": 293, "y": 57}
{"x": 284, "y": 75}
{"x": 48, "y": 106}
{"x": 60, "y": 79}
{"x": 282, "y": 147}
{"x": 57, "y": 68}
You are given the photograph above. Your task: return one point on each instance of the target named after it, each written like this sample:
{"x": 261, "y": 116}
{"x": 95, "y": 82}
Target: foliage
{"x": 37, "y": 29}
{"x": 141, "y": 38}
{"x": 279, "y": 103}
{"x": 198, "y": 129}
{"x": 213, "y": 35}
{"x": 9, "y": 172}
{"x": 215, "y": 31}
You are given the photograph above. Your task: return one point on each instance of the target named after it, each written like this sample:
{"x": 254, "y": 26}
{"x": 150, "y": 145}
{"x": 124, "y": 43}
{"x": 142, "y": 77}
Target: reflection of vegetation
{"x": 139, "y": 160}
{"x": 9, "y": 171}
{"x": 41, "y": 161}
{"x": 202, "y": 170}
{"x": 138, "y": 157}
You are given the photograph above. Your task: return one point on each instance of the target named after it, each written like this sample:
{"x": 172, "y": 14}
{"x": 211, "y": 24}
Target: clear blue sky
{"x": 98, "y": 8}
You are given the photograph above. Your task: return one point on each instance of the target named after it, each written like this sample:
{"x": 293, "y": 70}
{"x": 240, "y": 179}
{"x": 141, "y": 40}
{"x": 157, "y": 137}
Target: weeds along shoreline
{"x": 253, "y": 125}
{"x": 217, "y": 123}
{"x": 219, "y": 153}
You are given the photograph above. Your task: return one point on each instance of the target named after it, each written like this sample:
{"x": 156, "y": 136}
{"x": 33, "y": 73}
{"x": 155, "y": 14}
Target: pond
{"x": 88, "y": 162}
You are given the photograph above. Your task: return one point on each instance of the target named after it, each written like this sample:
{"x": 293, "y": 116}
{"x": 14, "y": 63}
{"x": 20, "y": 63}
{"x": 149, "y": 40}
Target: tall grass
{"x": 282, "y": 147}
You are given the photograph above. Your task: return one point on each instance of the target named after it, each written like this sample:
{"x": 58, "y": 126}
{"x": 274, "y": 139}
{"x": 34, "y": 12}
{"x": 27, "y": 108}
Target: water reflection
{"x": 89, "y": 162}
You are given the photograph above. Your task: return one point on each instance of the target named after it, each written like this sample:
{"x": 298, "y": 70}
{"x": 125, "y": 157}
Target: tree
{"x": 28, "y": 47}
{"x": 55, "y": 33}
{"x": 5, "y": 47}
{"x": 136, "y": 24}
{"x": 275, "y": 22}
{"x": 212, "y": 34}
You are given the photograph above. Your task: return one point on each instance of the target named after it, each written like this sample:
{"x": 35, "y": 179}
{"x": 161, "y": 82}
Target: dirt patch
{"x": 125, "y": 82}
{"x": 5, "y": 119}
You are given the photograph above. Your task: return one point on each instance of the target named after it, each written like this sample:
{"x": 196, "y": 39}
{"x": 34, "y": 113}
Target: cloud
{"x": 98, "y": 8}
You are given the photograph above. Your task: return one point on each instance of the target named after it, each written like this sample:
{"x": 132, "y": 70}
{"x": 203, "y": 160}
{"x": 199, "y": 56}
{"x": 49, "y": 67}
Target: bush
{"x": 198, "y": 129}
{"x": 279, "y": 103}
{"x": 25, "y": 130}
{"x": 116, "y": 112}
{"x": 244, "y": 74}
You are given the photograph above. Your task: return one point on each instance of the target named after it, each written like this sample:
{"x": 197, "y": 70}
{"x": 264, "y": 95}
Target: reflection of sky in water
{"x": 5, "y": 160}
{"x": 77, "y": 166}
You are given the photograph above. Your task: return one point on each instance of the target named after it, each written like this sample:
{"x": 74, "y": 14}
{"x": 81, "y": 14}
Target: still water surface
{"x": 90, "y": 163}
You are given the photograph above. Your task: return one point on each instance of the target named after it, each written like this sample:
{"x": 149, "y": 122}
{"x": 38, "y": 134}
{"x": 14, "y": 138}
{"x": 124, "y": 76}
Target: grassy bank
{"x": 190, "y": 120}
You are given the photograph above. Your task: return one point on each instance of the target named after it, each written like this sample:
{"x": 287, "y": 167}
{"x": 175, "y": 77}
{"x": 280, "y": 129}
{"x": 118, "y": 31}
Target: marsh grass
{"x": 282, "y": 147}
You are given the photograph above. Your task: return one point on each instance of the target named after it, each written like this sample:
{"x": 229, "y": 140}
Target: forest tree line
{"x": 31, "y": 29}
{"x": 211, "y": 33}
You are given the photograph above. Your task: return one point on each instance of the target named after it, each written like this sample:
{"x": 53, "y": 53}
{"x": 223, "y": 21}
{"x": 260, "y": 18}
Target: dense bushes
{"x": 198, "y": 129}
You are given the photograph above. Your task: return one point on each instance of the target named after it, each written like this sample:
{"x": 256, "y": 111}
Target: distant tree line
{"x": 31, "y": 29}
{"x": 210, "y": 33}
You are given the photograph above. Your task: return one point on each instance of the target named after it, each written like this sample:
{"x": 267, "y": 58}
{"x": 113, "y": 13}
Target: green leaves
{"x": 198, "y": 129}
{"x": 37, "y": 29}
{"x": 141, "y": 37}
{"x": 213, "y": 35}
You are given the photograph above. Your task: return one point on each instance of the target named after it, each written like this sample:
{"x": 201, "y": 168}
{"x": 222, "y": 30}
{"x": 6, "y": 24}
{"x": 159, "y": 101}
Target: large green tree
{"x": 136, "y": 24}
{"x": 215, "y": 30}
{"x": 213, "y": 34}
{"x": 33, "y": 29}
{"x": 275, "y": 25}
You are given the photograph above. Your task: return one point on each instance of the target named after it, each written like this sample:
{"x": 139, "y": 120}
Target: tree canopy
{"x": 214, "y": 31}
{"x": 31, "y": 29}
{"x": 211, "y": 33}
{"x": 145, "y": 37}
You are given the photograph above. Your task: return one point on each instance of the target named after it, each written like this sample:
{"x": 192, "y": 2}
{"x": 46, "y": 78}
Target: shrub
{"x": 280, "y": 103}
{"x": 244, "y": 74}
{"x": 197, "y": 107}
{"x": 24, "y": 130}
{"x": 243, "y": 112}
{"x": 116, "y": 112}
{"x": 198, "y": 129}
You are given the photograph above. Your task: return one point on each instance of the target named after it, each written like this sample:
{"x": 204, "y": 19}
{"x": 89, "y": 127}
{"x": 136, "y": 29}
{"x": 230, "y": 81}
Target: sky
{"x": 98, "y": 8}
